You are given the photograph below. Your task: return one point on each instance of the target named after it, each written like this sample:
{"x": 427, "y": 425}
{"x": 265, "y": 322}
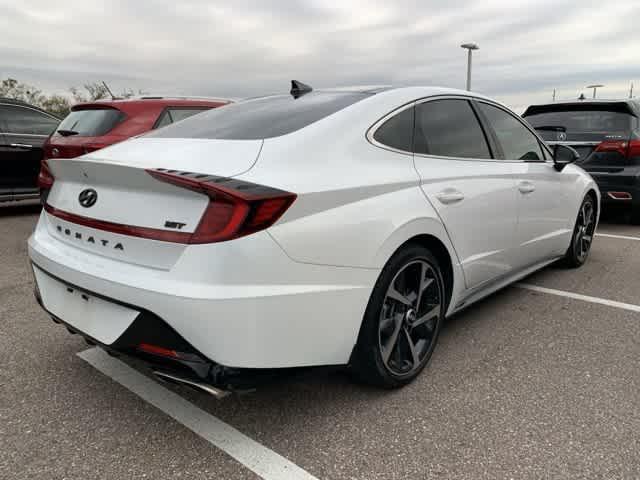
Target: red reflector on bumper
{"x": 156, "y": 350}
{"x": 619, "y": 195}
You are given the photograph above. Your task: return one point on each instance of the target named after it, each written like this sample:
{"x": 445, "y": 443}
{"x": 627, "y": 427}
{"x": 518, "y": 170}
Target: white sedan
{"x": 323, "y": 227}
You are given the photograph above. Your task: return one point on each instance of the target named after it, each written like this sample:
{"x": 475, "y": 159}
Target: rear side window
{"x": 517, "y": 142}
{"x": 449, "y": 128}
{"x": 20, "y": 120}
{"x": 172, "y": 115}
{"x": 92, "y": 122}
{"x": 263, "y": 117}
{"x": 397, "y": 131}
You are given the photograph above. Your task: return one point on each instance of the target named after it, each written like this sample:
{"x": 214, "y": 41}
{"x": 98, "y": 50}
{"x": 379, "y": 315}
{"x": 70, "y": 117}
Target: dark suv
{"x": 23, "y": 132}
{"x": 606, "y": 134}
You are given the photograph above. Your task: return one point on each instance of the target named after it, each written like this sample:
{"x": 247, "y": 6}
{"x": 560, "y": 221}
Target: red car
{"x": 95, "y": 125}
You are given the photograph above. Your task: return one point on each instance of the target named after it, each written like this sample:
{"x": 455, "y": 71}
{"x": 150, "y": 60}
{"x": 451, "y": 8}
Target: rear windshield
{"x": 583, "y": 118}
{"x": 90, "y": 123}
{"x": 261, "y": 118}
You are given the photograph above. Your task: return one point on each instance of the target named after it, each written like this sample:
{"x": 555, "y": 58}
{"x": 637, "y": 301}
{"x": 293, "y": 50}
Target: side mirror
{"x": 563, "y": 155}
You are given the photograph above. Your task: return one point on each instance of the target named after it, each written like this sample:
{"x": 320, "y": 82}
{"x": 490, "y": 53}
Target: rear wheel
{"x": 402, "y": 320}
{"x": 582, "y": 238}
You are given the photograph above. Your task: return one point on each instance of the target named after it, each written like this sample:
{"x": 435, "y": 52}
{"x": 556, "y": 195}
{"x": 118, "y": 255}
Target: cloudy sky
{"x": 250, "y": 47}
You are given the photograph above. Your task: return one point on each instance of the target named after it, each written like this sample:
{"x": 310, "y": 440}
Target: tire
{"x": 397, "y": 336}
{"x": 582, "y": 237}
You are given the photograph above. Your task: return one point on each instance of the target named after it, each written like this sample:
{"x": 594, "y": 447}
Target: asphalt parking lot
{"x": 526, "y": 384}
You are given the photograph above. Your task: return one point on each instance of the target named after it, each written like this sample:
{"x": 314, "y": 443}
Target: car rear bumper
{"x": 267, "y": 312}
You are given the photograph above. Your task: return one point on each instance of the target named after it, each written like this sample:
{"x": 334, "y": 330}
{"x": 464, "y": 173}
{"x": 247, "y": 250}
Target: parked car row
{"x": 29, "y": 134}
{"x": 605, "y": 134}
{"x": 320, "y": 227}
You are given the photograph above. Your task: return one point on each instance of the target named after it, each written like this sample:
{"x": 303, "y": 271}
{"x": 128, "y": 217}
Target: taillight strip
{"x": 119, "y": 228}
{"x": 236, "y": 208}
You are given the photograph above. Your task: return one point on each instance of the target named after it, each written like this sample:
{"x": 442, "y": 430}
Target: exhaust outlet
{"x": 218, "y": 393}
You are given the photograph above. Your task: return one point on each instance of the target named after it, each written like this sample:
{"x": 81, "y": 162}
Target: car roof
{"x": 401, "y": 93}
{"x": 12, "y": 101}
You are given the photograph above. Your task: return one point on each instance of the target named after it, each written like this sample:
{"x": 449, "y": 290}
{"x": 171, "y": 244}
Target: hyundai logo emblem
{"x": 562, "y": 136}
{"x": 55, "y": 152}
{"x": 88, "y": 197}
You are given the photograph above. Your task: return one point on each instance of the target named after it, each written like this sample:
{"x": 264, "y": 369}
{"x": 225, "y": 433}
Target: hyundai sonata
{"x": 323, "y": 227}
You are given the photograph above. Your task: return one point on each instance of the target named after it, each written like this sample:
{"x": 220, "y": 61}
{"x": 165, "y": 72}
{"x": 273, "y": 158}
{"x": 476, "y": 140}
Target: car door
{"x": 7, "y": 180}
{"x": 473, "y": 192}
{"x": 26, "y": 131}
{"x": 545, "y": 220}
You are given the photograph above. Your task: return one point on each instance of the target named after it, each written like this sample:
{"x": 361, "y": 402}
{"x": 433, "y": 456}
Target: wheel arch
{"x": 440, "y": 251}
{"x": 429, "y": 233}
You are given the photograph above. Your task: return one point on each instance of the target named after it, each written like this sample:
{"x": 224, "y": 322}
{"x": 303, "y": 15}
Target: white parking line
{"x": 622, "y": 237}
{"x": 254, "y": 456}
{"x": 578, "y": 296}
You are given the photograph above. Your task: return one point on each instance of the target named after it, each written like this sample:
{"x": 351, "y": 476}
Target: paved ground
{"x": 524, "y": 385}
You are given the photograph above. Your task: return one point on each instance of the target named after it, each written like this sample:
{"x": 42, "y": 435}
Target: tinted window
{"x": 397, "y": 132}
{"x": 517, "y": 142}
{"x": 92, "y": 122}
{"x": 586, "y": 122}
{"x": 172, "y": 115}
{"x": 23, "y": 120}
{"x": 449, "y": 128}
{"x": 261, "y": 118}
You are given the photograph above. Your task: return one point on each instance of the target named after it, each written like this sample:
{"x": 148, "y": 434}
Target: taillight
{"x": 45, "y": 177}
{"x": 627, "y": 149}
{"x": 608, "y": 146}
{"x": 236, "y": 208}
{"x": 45, "y": 181}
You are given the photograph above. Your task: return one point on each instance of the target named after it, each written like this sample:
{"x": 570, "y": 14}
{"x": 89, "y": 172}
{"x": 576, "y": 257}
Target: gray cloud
{"x": 249, "y": 47}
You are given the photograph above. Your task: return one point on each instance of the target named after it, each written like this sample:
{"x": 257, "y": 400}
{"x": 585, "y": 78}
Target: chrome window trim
{"x": 372, "y": 130}
{"x": 8, "y": 134}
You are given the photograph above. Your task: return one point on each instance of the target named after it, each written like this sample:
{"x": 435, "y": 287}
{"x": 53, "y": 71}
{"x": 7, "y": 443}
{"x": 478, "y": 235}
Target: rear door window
{"x": 92, "y": 122}
{"x": 449, "y": 128}
{"x": 518, "y": 143}
{"x": 175, "y": 114}
{"x": 263, "y": 117}
{"x": 19, "y": 120}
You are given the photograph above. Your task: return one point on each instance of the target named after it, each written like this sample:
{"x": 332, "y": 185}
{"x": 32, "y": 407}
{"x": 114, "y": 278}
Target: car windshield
{"x": 261, "y": 118}
{"x": 92, "y": 122}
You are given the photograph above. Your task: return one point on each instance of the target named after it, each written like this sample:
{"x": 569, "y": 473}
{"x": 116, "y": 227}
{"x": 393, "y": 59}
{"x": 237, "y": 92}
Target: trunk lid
{"x": 129, "y": 198}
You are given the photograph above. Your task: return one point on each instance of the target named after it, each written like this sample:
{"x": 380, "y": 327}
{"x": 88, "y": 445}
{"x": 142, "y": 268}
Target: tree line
{"x": 58, "y": 105}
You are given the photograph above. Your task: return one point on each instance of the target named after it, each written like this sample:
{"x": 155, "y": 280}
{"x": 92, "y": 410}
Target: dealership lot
{"x": 523, "y": 385}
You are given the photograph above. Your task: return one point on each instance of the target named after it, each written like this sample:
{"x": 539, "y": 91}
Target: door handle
{"x": 449, "y": 196}
{"x": 21, "y": 145}
{"x": 526, "y": 187}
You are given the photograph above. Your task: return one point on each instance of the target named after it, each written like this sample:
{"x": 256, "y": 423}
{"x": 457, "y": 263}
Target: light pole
{"x": 595, "y": 89}
{"x": 470, "y": 47}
